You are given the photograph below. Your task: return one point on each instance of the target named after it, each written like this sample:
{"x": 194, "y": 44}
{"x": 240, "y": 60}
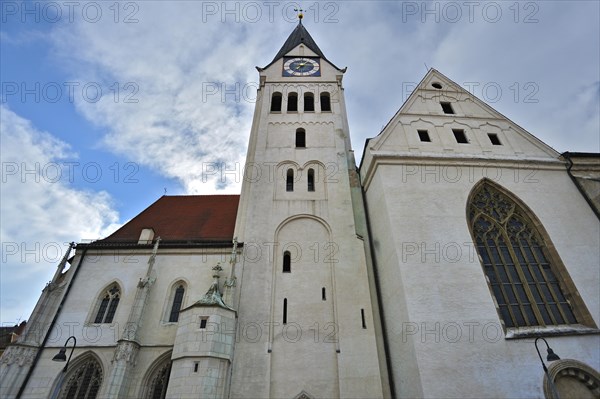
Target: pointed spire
{"x": 299, "y": 36}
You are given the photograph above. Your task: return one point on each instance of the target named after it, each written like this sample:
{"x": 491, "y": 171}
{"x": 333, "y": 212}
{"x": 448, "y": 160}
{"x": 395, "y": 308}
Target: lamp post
{"x": 61, "y": 356}
{"x": 550, "y": 357}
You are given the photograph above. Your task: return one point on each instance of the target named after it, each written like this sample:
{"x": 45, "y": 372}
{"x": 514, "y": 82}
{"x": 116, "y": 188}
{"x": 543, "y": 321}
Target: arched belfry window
{"x": 325, "y": 102}
{"x": 292, "y": 105}
{"x": 309, "y": 102}
{"x": 276, "y": 102}
{"x": 528, "y": 280}
{"x": 176, "y": 303}
{"x": 107, "y": 306}
{"x": 83, "y": 381}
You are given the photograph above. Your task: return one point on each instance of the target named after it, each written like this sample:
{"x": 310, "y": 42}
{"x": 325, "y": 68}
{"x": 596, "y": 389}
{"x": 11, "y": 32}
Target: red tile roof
{"x": 184, "y": 218}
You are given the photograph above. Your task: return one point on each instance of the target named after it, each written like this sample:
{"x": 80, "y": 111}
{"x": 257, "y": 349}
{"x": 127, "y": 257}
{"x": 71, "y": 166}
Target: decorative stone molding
{"x": 22, "y": 356}
{"x": 568, "y": 378}
{"x": 126, "y": 350}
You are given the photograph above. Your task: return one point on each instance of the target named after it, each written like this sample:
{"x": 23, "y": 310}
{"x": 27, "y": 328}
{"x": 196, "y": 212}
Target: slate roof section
{"x": 197, "y": 218}
{"x": 299, "y": 36}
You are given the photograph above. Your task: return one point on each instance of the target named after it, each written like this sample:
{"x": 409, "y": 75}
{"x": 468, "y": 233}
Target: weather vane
{"x": 299, "y": 11}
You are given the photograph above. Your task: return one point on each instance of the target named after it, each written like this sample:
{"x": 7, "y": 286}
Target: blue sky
{"x": 107, "y": 104}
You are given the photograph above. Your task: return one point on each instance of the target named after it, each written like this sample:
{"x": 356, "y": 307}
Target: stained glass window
{"x": 84, "y": 382}
{"x": 108, "y": 305}
{"x": 516, "y": 262}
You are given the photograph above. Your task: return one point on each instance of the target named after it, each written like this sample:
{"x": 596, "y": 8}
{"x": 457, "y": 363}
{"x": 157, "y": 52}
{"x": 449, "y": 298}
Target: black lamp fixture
{"x": 61, "y": 356}
{"x": 551, "y": 355}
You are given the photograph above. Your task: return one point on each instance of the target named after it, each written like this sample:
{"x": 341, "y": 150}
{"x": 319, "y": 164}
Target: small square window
{"x": 494, "y": 139}
{"x": 447, "y": 107}
{"x": 424, "y": 135}
{"x": 203, "y": 322}
{"x": 460, "y": 136}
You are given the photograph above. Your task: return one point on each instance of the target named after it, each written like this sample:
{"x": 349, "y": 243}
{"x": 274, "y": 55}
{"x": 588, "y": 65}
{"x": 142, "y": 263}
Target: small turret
{"x": 203, "y": 348}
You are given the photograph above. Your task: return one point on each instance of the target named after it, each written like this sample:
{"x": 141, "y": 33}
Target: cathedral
{"x": 460, "y": 258}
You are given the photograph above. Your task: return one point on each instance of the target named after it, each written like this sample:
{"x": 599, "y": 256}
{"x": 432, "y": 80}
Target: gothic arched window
{"x": 108, "y": 303}
{"x": 83, "y": 382}
{"x": 529, "y": 282}
{"x": 159, "y": 383}
{"x": 157, "y": 380}
{"x": 176, "y": 303}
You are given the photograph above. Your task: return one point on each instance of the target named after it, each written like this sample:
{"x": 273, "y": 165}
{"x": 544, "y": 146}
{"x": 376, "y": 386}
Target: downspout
{"x": 39, "y": 352}
{"x": 581, "y": 190}
{"x": 388, "y": 360}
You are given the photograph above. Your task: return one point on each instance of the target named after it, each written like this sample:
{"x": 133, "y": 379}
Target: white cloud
{"x": 40, "y": 212}
{"x": 196, "y": 90}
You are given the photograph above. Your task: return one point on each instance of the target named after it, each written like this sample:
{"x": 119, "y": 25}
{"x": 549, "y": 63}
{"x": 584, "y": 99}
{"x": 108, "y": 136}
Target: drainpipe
{"x": 39, "y": 352}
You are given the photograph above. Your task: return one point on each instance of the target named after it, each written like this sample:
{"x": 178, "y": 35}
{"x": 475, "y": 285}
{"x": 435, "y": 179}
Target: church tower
{"x": 307, "y": 314}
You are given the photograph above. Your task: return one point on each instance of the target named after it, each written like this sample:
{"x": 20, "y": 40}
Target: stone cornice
{"x": 376, "y": 158}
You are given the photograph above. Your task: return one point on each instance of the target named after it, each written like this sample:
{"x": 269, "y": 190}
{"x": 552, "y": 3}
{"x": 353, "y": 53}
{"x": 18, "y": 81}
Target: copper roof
{"x": 183, "y": 218}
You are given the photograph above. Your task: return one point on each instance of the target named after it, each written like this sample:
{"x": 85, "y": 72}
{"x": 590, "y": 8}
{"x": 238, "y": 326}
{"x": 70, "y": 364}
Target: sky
{"x": 108, "y": 105}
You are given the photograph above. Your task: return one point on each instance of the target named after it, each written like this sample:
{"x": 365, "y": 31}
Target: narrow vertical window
{"x": 362, "y": 316}
{"x": 494, "y": 139}
{"x": 292, "y": 105}
{"x": 447, "y": 108}
{"x": 309, "y": 102}
{"x": 300, "y": 138}
{"x": 195, "y": 367}
{"x": 287, "y": 262}
{"x": 325, "y": 102}
{"x": 108, "y": 305}
{"x": 323, "y": 295}
{"x": 276, "y": 102}
{"x": 176, "y": 306}
{"x": 311, "y": 180}
{"x": 289, "y": 180}
{"x": 284, "y": 310}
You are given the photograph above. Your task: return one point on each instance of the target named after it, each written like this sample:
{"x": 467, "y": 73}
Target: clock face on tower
{"x": 301, "y": 66}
